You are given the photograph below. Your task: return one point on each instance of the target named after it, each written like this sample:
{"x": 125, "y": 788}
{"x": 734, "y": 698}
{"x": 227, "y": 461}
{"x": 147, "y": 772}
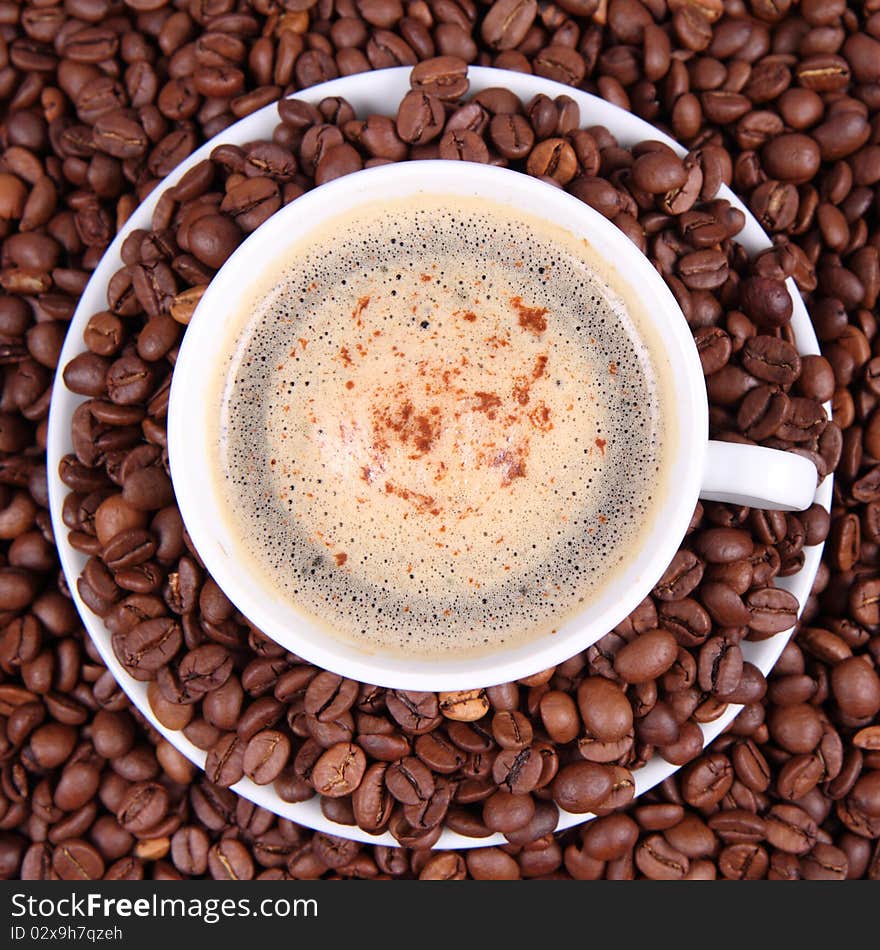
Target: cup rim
{"x": 189, "y": 453}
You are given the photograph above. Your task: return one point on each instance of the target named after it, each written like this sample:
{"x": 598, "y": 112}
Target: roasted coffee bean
{"x": 582, "y": 786}
{"x": 212, "y": 238}
{"x": 420, "y": 118}
{"x": 703, "y": 270}
{"x": 766, "y": 301}
{"x": 77, "y": 860}
{"x": 604, "y": 709}
{"x": 771, "y": 359}
{"x": 444, "y": 77}
{"x": 763, "y": 412}
{"x": 437, "y": 752}
{"x": 799, "y": 776}
{"x": 657, "y": 172}
{"x": 856, "y": 688}
{"x": 265, "y": 756}
{"x": 597, "y": 193}
{"x": 464, "y": 705}
{"x": 560, "y": 63}
{"x": 512, "y": 135}
{"x": 517, "y": 772}
{"x": 553, "y": 158}
{"x": 792, "y": 157}
{"x": 507, "y": 812}
{"x": 714, "y": 347}
{"x": 491, "y": 864}
{"x": 772, "y": 610}
{"x": 229, "y": 860}
{"x": 512, "y": 729}
{"x": 143, "y": 806}
{"x": 790, "y": 829}
{"x": 720, "y": 664}
{"x": 681, "y": 577}
{"x": 559, "y": 715}
{"x": 464, "y": 146}
{"x": 371, "y": 802}
{"x": 706, "y": 781}
{"x": 647, "y": 657}
{"x": 148, "y": 646}
{"x": 409, "y": 781}
{"x": 189, "y": 850}
{"x": 659, "y": 861}
{"x": 339, "y": 770}
{"x": 508, "y": 22}
{"x": 329, "y": 695}
{"x": 797, "y": 727}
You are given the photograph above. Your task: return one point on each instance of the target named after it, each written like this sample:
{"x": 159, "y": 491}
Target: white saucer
{"x": 380, "y": 92}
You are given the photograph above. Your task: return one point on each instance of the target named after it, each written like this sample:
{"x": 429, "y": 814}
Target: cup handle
{"x": 758, "y": 477}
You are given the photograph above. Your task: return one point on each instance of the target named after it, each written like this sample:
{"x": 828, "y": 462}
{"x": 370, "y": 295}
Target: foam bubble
{"x": 440, "y": 430}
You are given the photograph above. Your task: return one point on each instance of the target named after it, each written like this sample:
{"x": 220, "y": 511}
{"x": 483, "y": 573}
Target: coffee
{"x": 441, "y": 428}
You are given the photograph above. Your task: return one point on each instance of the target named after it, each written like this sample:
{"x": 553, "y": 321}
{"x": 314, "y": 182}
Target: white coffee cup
{"x": 697, "y": 468}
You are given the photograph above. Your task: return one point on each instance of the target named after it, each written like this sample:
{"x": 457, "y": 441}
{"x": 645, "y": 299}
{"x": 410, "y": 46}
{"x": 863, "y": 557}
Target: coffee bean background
{"x": 100, "y": 101}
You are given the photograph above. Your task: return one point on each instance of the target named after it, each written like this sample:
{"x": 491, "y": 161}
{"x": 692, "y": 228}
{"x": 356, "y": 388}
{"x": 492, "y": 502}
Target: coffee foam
{"x": 440, "y": 429}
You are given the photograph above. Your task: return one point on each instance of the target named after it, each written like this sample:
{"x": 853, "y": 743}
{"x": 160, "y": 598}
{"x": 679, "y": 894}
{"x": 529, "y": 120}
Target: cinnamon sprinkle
{"x": 512, "y": 463}
{"x": 362, "y": 304}
{"x": 532, "y": 319}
